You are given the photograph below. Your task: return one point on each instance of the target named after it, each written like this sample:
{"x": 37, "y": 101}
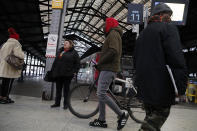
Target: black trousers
{"x": 62, "y": 83}
{"x": 6, "y": 86}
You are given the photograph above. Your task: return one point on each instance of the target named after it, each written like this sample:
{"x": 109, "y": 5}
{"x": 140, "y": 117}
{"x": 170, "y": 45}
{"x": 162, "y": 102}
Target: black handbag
{"x": 49, "y": 77}
{"x": 15, "y": 61}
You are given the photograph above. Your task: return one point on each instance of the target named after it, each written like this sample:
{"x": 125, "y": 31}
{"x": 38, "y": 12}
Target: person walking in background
{"x": 109, "y": 65}
{"x": 7, "y": 72}
{"x": 96, "y": 72}
{"x": 159, "y": 45}
{"x": 65, "y": 66}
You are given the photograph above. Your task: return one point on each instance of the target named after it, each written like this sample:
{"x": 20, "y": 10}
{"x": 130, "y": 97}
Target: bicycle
{"x": 83, "y": 102}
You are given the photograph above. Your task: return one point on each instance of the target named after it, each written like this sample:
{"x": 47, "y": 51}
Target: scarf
{"x": 159, "y": 18}
{"x": 61, "y": 54}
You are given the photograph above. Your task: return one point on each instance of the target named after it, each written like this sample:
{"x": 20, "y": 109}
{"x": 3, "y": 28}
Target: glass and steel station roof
{"x": 85, "y": 18}
{"x": 83, "y": 22}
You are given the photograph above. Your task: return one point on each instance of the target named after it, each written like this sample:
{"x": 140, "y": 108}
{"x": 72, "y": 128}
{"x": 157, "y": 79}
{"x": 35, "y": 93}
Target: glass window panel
{"x": 114, "y": 9}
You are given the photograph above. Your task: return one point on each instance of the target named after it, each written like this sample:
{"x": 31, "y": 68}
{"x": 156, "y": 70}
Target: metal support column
{"x": 34, "y": 65}
{"x": 27, "y": 56}
{"x": 39, "y": 67}
{"x": 30, "y": 64}
{"x": 56, "y": 27}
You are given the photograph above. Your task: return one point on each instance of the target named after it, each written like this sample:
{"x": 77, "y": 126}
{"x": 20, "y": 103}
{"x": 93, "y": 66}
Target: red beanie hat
{"x": 13, "y": 34}
{"x": 110, "y": 23}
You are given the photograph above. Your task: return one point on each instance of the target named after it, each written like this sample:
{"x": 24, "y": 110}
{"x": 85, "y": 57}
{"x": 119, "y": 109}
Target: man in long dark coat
{"x": 159, "y": 45}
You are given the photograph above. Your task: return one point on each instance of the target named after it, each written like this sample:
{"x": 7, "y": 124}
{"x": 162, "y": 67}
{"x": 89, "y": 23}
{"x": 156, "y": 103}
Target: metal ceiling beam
{"x": 82, "y": 43}
{"x": 89, "y": 38}
{"x": 124, "y": 4}
{"x": 81, "y": 8}
{"x": 90, "y": 43}
{"x": 113, "y": 4}
{"x": 91, "y": 4}
{"x": 76, "y": 37}
{"x": 80, "y": 14}
{"x": 72, "y": 14}
{"x": 44, "y": 4}
{"x": 91, "y": 26}
{"x": 116, "y": 13}
{"x": 101, "y": 15}
{"x": 75, "y": 29}
{"x": 94, "y": 15}
{"x": 106, "y": 16}
{"x": 44, "y": 0}
{"x": 43, "y": 11}
{"x": 87, "y": 23}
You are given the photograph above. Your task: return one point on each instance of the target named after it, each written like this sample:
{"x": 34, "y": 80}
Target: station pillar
{"x": 56, "y": 29}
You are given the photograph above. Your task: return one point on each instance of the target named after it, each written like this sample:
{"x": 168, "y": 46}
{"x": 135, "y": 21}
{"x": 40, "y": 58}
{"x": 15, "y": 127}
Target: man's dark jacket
{"x": 67, "y": 65}
{"x": 159, "y": 45}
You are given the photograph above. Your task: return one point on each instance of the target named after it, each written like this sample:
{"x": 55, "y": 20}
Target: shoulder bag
{"x": 15, "y": 61}
{"x": 49, "y": 77}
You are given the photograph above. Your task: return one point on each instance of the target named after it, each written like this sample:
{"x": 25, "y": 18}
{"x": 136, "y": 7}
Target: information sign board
{"x": 51, "y": 45}
{"x": 135, "y": 13}
{"x": 57, "y": 4}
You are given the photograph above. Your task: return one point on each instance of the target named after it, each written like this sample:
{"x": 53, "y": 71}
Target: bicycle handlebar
{"x": 94, "y": 62}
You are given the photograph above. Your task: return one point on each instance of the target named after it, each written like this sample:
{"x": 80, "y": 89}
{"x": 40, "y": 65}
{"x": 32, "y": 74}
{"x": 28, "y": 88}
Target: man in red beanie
{"x": 109, "y": 65}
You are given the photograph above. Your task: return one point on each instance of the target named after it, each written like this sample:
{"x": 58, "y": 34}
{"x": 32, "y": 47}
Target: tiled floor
{"x": 33, "y": 114}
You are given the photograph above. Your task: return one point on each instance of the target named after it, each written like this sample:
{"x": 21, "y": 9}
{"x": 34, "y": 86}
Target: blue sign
{"x": 135, "y": 13}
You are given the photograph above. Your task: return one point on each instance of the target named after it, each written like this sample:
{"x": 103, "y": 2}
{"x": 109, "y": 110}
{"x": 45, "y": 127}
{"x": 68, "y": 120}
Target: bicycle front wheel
{"x": 82, "y": 101}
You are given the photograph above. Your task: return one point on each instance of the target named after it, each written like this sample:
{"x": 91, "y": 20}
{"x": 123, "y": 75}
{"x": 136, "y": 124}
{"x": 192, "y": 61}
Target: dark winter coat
{"x": 159, "y": 45}
{"x": 67, "y": 65}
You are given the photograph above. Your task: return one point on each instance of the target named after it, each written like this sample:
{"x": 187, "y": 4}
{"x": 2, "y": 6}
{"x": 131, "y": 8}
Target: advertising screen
{"x": 179, "y": 8}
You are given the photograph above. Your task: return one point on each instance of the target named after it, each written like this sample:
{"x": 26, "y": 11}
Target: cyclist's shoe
{"x": 10, "y": 100}
{"x": 98, "y": 123}
{"x": 3, "y": 101}
{"x": 123, "y": 120}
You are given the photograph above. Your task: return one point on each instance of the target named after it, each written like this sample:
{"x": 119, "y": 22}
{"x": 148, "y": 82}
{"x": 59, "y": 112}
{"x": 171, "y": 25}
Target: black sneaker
{"x": 65, "y": 107}
{"x": 10, "y": 100}
{"x": 55, "y": 105}
{"x": 98, "y": 123}
{"x": 123, "y": 120}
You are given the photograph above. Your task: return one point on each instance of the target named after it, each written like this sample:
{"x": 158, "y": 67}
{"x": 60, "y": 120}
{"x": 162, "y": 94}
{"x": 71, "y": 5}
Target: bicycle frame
{"x": 92, "y": 86}
{"x": 114, "y": 97}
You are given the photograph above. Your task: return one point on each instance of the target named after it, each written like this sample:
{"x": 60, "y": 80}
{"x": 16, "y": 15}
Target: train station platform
{"x": 33, "y": 114}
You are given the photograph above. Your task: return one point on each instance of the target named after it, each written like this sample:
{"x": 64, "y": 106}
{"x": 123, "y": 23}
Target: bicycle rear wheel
{"x": 82, "y": 101}
{"x": 137, "y": 112}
